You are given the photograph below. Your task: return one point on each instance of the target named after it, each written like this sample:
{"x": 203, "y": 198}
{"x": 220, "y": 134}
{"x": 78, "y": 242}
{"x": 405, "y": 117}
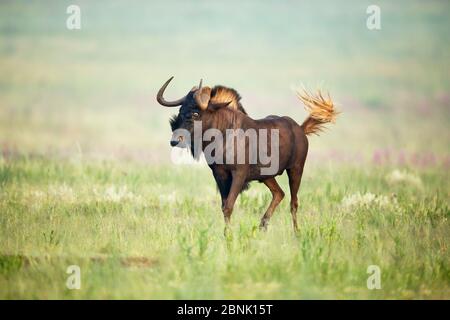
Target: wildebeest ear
{"x": 216, "y": 106}
{"x": 202, "y": 97}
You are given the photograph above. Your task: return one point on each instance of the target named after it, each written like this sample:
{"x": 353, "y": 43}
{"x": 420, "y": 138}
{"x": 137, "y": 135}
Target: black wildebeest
{"x": 220, "y": 108}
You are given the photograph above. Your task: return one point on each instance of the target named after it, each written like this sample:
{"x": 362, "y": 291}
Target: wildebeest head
{"x": 199, "y": 100}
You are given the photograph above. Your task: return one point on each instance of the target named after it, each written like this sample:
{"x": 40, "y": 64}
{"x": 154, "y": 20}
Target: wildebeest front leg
{"x": 238, "y": 180}
{"x": 223, "y": 181}
{"x": 277, "y": 196}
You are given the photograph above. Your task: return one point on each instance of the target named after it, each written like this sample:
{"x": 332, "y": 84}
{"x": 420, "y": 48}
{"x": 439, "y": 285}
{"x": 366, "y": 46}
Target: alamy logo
{"x": 73, "y": 21}
{"x": 234, "y": 146}
{"x": 74, "y": 280}
{"x": 373, "y": 21}
{"x": 374, "y": 280}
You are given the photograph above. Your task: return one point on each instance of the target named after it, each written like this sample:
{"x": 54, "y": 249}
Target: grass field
{"x": 136, "y": 232}
{"x": 86, "y": 177}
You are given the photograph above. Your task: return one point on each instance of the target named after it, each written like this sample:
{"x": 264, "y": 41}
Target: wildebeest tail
{"x": 321, "y": 111}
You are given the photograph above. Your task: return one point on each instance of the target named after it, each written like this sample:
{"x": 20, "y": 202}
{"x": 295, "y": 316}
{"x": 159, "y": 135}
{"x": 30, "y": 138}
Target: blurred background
{"x": 91, "y": 92}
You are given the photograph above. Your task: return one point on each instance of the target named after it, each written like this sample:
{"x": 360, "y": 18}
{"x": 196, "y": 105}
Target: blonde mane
{"x": 222, "y": 94}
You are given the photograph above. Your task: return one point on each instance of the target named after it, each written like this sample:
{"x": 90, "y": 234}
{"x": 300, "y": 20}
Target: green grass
{"x": 98, "y": 215}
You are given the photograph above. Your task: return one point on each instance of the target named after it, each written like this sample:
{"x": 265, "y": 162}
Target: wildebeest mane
{"x": 175, "y": 122}
{"x": 221, "y": 94}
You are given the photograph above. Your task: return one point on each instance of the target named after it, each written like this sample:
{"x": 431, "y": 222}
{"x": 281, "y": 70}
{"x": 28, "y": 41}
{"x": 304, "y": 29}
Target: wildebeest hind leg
{"x": 277, "y": 196}
{"x": 295, "y": 177}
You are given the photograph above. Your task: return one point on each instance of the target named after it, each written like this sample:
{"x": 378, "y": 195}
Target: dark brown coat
{"x": 220, "y": 108}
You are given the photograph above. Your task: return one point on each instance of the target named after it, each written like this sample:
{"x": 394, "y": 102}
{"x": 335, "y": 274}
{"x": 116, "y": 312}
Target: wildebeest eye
{"x": 195, "y": 114}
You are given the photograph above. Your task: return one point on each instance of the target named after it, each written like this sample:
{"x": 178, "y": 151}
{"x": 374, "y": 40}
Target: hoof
{"x": 227, "y": 231}
{"x": 263, "y": 226}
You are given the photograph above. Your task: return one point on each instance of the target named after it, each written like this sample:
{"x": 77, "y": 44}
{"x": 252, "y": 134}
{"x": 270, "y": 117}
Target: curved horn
{"x": 165, "y": 103}
{"x": 195, "y": 88}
